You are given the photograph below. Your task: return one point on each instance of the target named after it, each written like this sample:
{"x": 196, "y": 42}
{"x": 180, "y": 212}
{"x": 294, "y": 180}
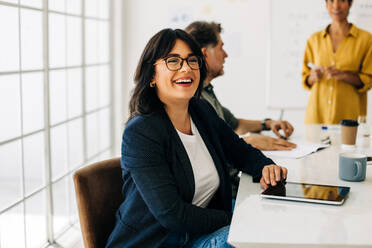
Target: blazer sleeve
{"x": 238, "y": 153}
{"x": 144, "y": 156}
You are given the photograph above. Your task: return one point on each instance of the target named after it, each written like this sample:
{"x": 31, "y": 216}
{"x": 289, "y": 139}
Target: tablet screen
{"x": 329, "y": 194}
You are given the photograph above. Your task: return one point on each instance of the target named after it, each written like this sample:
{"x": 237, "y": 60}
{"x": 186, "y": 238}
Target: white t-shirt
{"x": 205, "y": 173}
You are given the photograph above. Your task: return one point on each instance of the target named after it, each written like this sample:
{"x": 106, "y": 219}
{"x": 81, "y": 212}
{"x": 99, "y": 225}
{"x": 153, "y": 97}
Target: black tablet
{"x": 305, "y": 192}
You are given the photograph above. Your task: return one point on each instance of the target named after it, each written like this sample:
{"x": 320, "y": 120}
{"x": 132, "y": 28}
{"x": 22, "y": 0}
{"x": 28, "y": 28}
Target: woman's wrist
{"x": 351, "y": 78}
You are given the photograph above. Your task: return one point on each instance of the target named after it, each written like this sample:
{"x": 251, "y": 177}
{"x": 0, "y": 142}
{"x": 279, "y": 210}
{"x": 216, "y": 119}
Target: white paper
{"x": 303, "y": 148}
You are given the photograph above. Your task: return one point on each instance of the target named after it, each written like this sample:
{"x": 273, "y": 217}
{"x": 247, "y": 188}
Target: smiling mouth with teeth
{"x": 189, "y": 81}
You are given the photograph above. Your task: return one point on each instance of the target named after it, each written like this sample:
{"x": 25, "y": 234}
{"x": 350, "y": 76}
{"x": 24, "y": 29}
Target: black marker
{"x": 283, "y": 137}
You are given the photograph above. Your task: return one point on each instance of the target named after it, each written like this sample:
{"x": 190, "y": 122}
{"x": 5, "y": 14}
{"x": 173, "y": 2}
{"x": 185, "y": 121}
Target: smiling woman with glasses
{"x": 175, "y": 152}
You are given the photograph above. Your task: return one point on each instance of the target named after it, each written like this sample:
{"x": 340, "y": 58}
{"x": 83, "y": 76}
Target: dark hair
{"x": 347, "y": 0}
{"x": 205, "y": 33}
{"x": 144, "y": 99}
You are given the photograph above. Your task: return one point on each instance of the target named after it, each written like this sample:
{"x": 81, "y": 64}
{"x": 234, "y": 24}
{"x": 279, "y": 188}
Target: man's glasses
{"x": 174, "y": 63}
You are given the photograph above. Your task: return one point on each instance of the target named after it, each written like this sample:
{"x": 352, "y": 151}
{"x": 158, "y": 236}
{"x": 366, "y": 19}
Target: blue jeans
{"x": 217, "y": 239}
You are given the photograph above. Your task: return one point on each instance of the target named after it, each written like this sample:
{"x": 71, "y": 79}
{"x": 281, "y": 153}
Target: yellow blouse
{"x": 331, "y": 100}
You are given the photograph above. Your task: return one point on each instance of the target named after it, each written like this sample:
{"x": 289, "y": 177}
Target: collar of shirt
{"x": 208, "y": 87}
{"x": 353, "y": 31}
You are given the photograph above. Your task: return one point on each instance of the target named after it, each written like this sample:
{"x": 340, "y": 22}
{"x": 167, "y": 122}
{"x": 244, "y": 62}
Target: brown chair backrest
{"x": 98, "y": 194}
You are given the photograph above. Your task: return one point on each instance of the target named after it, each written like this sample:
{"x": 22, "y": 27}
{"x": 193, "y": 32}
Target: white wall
{"x": 243, "y": 87}
{"x": 118, "y": 89}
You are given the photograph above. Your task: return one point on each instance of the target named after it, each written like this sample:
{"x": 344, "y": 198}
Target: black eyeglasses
{"x": 174, "y": 63}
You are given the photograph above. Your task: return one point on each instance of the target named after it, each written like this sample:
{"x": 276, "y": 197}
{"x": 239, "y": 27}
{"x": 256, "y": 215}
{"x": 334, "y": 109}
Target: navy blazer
{"x": 159, "y": 182}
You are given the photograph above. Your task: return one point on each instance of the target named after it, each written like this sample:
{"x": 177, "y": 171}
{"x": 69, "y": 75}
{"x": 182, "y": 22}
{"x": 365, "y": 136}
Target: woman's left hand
{"x": 271, "y": 174}
{"x": 332, "y": 72}
{"x": 345, "y": 76}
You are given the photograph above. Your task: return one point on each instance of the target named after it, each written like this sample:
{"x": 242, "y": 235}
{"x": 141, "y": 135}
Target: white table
{"x": 273, "y": 223}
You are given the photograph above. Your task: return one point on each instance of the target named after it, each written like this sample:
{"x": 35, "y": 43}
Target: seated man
{"x": 207, "y": 34}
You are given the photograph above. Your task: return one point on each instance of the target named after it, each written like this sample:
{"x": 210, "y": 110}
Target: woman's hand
{"x": 332, "y": 72}
{"x": 316, "y": 75}
{"x": 345, "y": 76}
{"x": 271, "y": 174}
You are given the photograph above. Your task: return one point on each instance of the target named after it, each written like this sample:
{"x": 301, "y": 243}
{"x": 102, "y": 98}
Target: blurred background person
{"x": 337, "y": 68}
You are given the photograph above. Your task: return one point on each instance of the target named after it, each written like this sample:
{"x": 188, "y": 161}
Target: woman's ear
{"x": 204, "y": 51}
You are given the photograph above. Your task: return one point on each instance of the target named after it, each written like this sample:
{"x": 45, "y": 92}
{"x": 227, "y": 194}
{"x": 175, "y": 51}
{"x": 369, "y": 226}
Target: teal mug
{"x": 352, "y": 167}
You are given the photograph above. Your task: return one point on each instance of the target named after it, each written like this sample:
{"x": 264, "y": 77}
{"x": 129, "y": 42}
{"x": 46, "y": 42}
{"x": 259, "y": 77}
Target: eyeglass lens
{"x": 175, "y": 63}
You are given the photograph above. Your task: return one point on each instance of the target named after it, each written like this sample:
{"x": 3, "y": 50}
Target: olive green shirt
{"x": 223, "y": 113}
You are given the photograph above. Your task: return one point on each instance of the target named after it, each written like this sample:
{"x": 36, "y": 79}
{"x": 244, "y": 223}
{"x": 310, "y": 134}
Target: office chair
{"x": 98, "y": 194}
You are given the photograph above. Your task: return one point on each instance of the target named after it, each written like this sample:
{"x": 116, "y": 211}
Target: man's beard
{"x": 217, "y": 73}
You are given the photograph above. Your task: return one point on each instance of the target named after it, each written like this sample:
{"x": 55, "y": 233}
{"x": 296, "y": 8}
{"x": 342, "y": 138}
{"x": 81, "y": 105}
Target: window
{"x": 56, "y": 111}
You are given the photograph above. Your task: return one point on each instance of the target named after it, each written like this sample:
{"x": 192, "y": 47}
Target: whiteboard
{"x": 291, "y": 24}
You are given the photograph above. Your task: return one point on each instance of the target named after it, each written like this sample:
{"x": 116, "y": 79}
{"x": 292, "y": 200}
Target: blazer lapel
{"x": 182, "y": 158}
{"x": 206, "y": 132}
{"x": 203, "y": 133}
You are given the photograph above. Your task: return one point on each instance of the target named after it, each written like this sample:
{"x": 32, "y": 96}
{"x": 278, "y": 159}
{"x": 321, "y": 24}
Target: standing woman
{"x": 337, "y": 69}
{"x": 175, "y": 152}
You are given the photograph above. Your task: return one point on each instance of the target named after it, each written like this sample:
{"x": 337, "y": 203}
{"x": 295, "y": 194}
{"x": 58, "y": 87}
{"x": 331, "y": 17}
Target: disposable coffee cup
{"x": 349, "y": 130}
